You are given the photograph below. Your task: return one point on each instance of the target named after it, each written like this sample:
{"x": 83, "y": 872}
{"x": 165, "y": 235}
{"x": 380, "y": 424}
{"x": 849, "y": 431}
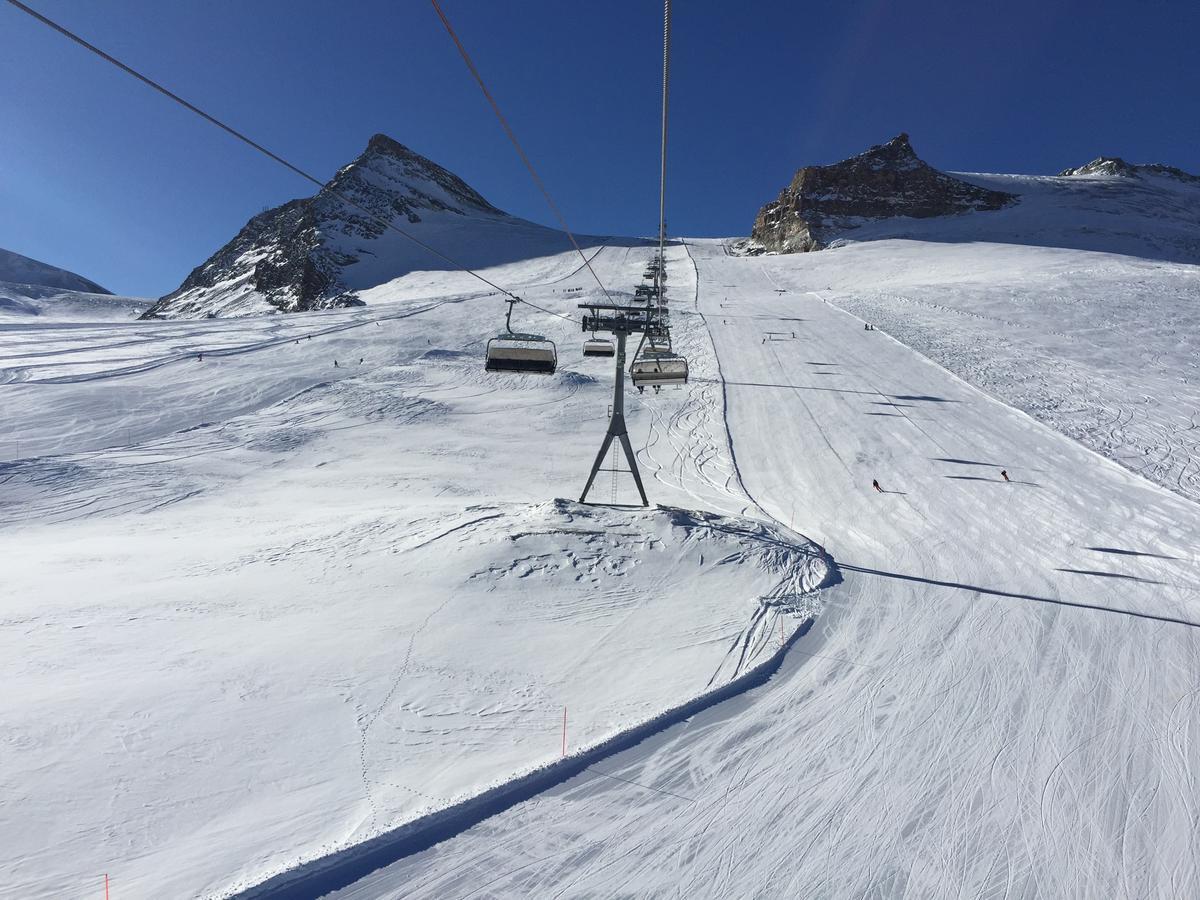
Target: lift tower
{"x": 620, "y": 321}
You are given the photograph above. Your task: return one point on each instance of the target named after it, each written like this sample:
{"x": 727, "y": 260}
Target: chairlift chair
{"x": 658, "y": 369}
{"x": 598, "y": 347}
{"x": 511, "y": 351}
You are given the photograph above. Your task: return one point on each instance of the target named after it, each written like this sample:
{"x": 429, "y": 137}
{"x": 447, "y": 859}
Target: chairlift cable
{"x": 666, "y": 94}
{"x": 149, "y": 82}
{"x": 517, "y": 144}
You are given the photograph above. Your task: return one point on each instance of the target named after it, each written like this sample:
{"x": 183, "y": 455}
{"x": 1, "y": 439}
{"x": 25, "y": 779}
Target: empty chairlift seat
{"x": 658, "y": 368}
{"x": 511, "y": 352}
{"x": 598, "y": 347}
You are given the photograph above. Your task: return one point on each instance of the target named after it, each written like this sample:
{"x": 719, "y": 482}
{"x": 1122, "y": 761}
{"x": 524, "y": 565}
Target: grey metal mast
{"x": 621, "y": 321}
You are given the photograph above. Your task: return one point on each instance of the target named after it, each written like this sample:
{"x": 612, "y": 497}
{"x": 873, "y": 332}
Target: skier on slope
{"x": 875, "y": 484}
{"x": 1004, "y": 474}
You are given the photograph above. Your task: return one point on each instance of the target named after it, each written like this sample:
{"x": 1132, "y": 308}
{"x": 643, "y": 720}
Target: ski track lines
{"x": 926, "y": 738}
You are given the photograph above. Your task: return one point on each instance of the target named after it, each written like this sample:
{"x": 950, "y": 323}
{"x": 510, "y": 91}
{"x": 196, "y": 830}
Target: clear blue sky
{"x": 102, "y": 176}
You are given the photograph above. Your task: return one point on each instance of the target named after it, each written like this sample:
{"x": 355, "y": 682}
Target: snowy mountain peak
{"x": 317, "y": 252}
{"x": 18, "y": 269}
{"x": 389, "y": 166}
{"x": 1114, "y": 165}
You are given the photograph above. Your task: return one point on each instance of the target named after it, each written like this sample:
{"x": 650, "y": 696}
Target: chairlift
{"x": 515, "y": 352}
{"x": 658, "y": 368}
{"x": 598, "y": 347}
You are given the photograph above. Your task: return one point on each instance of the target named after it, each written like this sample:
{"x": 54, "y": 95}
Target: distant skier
{"x": 335, "y": 365}
{"x": 1004, "y": 474}
{"x": 199, "y": 357}
{"x": 360, "y": 359}
{"x": 875, "y": 484}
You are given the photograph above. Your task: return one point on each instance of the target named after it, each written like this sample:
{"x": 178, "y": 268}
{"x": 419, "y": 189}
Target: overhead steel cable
{"x": 149, "y": 82}
{"x": 517, "y": 144}
{"x": 662, "y": 182}
{"x": 666, "y": 95}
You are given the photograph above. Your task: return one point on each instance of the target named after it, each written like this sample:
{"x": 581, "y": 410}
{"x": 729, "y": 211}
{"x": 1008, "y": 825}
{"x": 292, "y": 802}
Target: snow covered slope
{"x": 1000, "y": 699}
{"x": 322, "y": 252}
{"x": 30, "y": 289}
{"x": 1147, "y": 215}
{"x": 277, "y": 584}
{"x": 260, "y": 607}
{"x": 22, "y": 270}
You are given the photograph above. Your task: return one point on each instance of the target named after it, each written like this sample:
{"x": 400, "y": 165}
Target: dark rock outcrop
{"x": 886, "y": 181}
{"x": 293, "y": 257}
{"x": 1114, "y": 165}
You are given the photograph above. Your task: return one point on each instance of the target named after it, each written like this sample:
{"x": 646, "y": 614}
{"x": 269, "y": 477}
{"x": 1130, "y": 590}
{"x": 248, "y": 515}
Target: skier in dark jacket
{"x": 875, "y": 484}
{"x": 1004, "y": 474}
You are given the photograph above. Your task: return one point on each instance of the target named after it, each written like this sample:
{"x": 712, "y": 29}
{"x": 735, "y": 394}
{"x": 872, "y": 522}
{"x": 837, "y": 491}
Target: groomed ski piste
{"x": 261, "y": 611}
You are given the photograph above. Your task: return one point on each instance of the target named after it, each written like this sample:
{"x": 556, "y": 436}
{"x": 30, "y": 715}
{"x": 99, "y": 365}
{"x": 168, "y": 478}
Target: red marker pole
{"x": 105, "y": 886}
{"x": 564, "y": 750}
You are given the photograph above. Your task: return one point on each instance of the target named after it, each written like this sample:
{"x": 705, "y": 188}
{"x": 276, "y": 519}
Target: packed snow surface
{"x": 260, "y": 607}
{"x": 999, "y": 700}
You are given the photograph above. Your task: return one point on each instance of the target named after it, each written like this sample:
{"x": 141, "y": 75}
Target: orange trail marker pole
{"x": 105, "y": 886}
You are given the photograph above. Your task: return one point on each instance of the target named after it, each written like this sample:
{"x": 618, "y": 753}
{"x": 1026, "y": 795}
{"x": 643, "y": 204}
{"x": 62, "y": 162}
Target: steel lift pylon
{"x": 621, "y": 321}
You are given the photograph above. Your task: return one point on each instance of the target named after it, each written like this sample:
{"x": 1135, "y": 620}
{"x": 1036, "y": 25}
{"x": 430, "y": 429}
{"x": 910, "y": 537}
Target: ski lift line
{"x": 149, "y": 82}
{"x": 662, "y": 184}
{"x": 517, "y": 144}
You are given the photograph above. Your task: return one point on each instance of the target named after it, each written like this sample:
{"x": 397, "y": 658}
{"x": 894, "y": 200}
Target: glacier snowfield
{"x": 260, "y": 609}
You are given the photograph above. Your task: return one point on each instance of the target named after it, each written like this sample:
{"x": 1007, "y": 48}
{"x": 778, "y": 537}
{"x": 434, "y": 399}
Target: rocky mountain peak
{"x": 388, "y": 167}
{"x": 300, "y": 255}
{"x": 1114, "y": 165}
{"x": 381, "y": 143}
{"x": 885, "y": 181}
{"x": 896, "y": 153}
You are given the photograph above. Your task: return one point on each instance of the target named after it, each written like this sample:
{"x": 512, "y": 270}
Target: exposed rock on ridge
{"x": 294, "y": 257}
{"x": 886, "y": 181}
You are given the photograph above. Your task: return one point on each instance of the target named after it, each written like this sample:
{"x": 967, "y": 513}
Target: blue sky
{"x": 102, "y": 176}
